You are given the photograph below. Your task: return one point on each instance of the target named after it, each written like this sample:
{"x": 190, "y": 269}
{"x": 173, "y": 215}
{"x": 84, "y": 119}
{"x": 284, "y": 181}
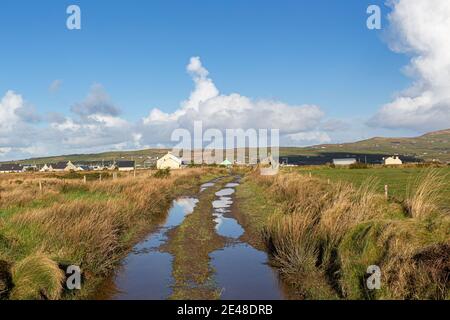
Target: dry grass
{"x": 91, "y": 225}
{"x": 337, "y": 231}
{"x": 37, "y": 277}
{"x": 425, "y": 195}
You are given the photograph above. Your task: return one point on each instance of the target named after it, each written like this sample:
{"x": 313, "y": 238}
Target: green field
{"x": 397, "y": 179}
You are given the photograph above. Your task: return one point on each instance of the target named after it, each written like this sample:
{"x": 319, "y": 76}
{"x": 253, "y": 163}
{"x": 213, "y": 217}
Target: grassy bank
{"x": 68, "y": 222}
{"x": 323, "y": 236}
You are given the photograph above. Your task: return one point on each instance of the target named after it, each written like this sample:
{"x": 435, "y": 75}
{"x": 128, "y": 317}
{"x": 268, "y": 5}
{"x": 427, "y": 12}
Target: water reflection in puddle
{"x": 225, "y": 192}
{"x": 242, "y": 273}
{"x": 205, "y": 186}
{"x": 226, "y": 227}
{"x": 147, "y": 273}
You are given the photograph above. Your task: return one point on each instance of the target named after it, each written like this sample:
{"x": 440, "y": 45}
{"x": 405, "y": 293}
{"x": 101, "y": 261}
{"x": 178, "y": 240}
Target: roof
{"x": 125, "y": 164}
{"x": 10, "y": 167}
{"x": 59, "y": 165}
{"x": 171, "y": 156}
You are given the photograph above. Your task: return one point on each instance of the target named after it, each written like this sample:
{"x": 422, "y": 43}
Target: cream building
{"x": 169, "y": 161}
{"x": 395, "y": 160}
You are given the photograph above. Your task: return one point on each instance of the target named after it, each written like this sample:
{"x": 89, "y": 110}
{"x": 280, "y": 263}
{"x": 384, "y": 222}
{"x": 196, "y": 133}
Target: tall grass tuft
{"x": 36, "y": 277}
{"x": 425, "y": 195}
{"x": 336, "y": 231}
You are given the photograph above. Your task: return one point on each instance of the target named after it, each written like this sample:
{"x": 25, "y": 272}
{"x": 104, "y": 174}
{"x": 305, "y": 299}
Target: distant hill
{"x": 430, "y": 146}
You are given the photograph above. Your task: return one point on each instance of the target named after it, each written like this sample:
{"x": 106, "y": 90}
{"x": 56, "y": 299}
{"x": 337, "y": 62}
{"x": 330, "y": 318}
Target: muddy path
{"x": 200, "y": 251}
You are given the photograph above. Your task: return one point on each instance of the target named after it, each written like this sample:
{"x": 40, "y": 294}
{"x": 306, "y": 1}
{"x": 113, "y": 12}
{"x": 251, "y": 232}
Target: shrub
{"x": 162, "y": 173}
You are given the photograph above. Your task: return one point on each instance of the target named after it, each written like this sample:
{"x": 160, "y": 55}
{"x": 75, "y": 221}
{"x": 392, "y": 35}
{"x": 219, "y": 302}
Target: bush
{"x": 162, "y": 173}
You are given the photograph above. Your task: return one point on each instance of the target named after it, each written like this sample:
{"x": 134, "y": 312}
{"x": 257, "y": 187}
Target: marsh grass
{"x": 336, "y": 230}
{"x": 91, "y": 225}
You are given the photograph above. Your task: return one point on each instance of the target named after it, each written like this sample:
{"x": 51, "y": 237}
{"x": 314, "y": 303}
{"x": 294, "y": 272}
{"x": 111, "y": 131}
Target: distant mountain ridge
{"x": 430, "y": 146}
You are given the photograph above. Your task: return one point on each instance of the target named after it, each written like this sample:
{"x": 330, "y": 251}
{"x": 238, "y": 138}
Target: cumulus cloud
{"x": 232, "y": 111}
{"x": 9, "y": 106}
{"x": 97, "y": 102}
{"x": 421, "y": 29}
{"x": 95, "y": 124}
{"x": 93, "y": 127}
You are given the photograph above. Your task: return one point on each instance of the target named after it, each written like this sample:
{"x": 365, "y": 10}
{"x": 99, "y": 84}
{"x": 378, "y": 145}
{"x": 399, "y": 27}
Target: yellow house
{"x": 169, "y": 161}
{"x": 389, "y": 161}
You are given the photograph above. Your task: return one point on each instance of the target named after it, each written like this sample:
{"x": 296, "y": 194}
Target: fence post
{"x": 114, "y": 176}
{"x": 40, "y": 185}
{"x": 100, "y": 177}
{"x": 84, "y": 179}
{"x": 386, "y": 191}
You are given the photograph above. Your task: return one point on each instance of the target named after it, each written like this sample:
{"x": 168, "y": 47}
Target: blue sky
{"x": 296, "y": 52}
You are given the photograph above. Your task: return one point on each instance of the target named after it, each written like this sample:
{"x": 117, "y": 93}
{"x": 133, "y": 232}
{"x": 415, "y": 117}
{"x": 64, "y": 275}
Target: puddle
{"x": 228, "y": 227}
{"x": 242, "y": 273}
{"x": 146, "y": 273}
{"x": 231, "y": 185}
{"x": 225, "y": 192}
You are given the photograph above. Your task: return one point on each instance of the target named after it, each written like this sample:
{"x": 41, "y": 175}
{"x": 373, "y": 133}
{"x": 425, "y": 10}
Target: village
{"x": 172, "y": 162}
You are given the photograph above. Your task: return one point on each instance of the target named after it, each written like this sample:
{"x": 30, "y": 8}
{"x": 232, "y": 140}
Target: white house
{"x": 46, "y": 168}
{"x": 394, "y": 160}
{"x": 344, "y": 162}
{"x": 169, "y": 161}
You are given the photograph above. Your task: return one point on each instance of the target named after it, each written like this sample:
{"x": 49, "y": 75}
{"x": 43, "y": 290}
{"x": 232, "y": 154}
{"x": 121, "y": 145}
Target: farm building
{"x": 10, "y": 168}
{"x": 125, "y": 165}
{"x": 169, "y": 161}
{"x": 389, "y": 161}
{"x": 344, "y": 162}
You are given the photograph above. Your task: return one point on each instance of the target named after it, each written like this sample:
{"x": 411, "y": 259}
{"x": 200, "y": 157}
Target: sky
{"x": 137, "y": 70}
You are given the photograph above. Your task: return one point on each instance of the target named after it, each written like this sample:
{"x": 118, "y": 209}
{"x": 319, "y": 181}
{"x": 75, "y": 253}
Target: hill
{"x": 431, "y": 146}
{"x": 428, "y": 147}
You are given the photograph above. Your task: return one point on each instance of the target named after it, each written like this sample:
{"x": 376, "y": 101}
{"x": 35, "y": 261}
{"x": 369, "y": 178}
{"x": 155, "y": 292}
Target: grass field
{"x": 322, "y": 235}
{"x": 399, "y": 180}
{"x": 69, "y": 222}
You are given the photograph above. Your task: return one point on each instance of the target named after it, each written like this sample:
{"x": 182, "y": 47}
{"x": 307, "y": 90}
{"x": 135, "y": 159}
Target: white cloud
{"x": 231, "y": 111}
{"x": 9, "y": 106}
{"x": 95, "y": 124}
{"x": 420, "y": 28}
